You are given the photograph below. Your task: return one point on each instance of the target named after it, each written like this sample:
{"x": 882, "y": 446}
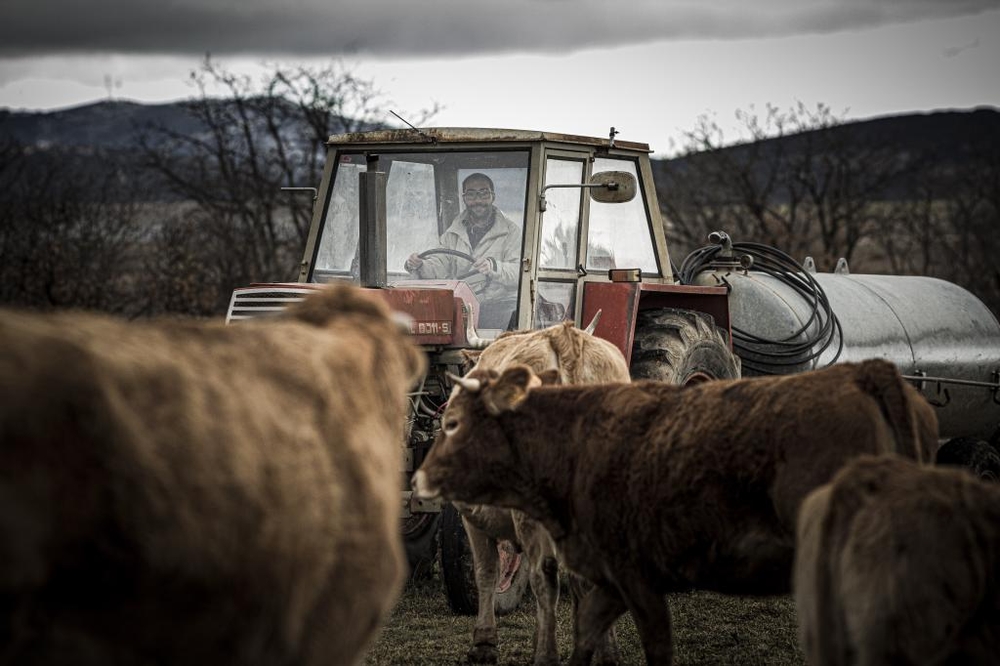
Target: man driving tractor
{"x": 487, "y": 235}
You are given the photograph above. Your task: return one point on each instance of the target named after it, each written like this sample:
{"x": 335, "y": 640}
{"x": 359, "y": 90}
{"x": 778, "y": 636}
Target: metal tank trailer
{"x": 787, "y": 318}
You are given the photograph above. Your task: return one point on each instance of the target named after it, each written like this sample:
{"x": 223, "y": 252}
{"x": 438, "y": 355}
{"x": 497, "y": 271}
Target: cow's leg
{"x": 606, "y": 652}
{"x": 486, "y": 562}
{"x": 652, "y": 619}
{"x": 596, "y": 612}
{"x": 543, "y": 574}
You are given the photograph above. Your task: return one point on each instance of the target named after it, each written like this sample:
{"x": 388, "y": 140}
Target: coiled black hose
{"x": 769, "y": 356}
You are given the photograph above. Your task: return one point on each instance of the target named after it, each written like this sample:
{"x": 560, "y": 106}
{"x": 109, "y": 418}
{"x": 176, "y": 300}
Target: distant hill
{"x": 106, "y": 138}
{"x": 110, "y": 125}
{"x": 116, "y": 126}
{"x": 946, "y": 140}
{"x": 948, "y": 133}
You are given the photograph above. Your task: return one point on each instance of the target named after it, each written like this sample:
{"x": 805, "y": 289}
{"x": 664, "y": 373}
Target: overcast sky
{"x": 648, "y": 67}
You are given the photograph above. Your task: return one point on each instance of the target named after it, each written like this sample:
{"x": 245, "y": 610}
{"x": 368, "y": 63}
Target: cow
{"x": 898, "y": 564}
{"x": 186, "y": 492}
{"x": 579, "y": 358}
{"x": 650, "y": 488}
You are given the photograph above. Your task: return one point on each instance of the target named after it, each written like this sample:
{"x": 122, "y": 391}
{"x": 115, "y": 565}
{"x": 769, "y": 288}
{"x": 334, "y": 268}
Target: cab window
{"x": 619, "y": 233}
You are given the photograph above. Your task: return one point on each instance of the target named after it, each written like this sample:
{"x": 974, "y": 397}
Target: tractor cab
{"x": 563, "y": 212}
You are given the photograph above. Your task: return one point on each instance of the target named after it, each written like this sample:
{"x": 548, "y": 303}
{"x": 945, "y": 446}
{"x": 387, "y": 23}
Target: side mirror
{"x": 613, "y": 187}
{"x": 605, "y": 187}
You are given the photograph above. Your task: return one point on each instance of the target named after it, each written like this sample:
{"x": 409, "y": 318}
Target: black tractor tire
{"x": 420, "y": 540}
{"x": 458, "y": 571}
{"x": 681, "y": 347}
{"x": 973, "y": 455}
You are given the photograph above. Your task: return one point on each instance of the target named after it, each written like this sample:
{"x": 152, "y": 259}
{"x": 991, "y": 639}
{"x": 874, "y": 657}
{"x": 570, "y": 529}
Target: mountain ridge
{"x": 116, "y": 124}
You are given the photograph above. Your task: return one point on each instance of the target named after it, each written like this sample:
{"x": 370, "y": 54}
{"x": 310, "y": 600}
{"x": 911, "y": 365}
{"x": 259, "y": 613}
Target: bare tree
{"x": 252, "y": 142}
{"x": 788, "y": 181}
{"x": 67, "y": 236}
{"x": 888, "y": 199}
{"x": 945, "y": 218}
{"x": 744, "y": 187}
{"x": 910, "y": 237}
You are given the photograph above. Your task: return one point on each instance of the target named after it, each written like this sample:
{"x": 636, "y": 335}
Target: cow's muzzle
{"x": 422, "y": 486}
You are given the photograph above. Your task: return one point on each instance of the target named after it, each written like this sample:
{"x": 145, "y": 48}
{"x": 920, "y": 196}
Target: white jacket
{"x": 502, "y": 243}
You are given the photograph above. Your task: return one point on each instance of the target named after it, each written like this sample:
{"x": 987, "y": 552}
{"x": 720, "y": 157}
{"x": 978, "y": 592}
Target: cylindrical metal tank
{"x": 923, "y": 325}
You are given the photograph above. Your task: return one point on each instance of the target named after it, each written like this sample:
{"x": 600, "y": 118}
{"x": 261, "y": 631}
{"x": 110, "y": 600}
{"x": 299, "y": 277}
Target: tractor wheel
{"x": 420, "y": 540}
{"x": 681, "y": 347}
{"x": 458, "y": 570}
{"x": 972, "y": 454}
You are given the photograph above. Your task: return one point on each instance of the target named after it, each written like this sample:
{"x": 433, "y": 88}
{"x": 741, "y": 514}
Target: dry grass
{"x": 708, "y": 629}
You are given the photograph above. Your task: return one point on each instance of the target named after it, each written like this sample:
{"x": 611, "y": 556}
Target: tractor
{"x": 593, "y": 251}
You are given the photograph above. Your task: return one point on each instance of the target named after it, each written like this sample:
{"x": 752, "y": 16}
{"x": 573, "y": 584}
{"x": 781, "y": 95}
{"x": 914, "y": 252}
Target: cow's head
{"x": 473, "y": 460}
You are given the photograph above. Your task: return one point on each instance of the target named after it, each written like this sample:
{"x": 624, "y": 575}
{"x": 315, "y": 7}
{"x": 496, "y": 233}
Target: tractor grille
{"x": 251, "y": 303}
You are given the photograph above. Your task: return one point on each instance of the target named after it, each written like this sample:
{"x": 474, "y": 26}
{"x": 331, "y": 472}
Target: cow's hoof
{"x": 483, "y": 653}
{"x": 547, "y": 661}
{"x": 606, "y": 656}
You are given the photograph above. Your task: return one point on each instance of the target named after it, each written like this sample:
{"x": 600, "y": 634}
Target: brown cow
{"x": 899, "y": 564}
{"x": 579, "y": 358}
{"x": 194, "y": 493}
{"x": 658, "y": 488}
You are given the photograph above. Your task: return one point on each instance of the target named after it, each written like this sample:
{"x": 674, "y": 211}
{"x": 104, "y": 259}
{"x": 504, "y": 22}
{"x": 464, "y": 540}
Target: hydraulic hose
{"x": 766, "y": 355}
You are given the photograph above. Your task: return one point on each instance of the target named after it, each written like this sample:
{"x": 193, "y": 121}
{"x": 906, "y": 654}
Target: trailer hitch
{"x": 920, "y": 378}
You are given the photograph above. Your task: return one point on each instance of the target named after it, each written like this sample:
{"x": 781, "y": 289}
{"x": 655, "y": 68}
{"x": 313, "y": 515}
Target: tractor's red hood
{"x": 435, "y": 307}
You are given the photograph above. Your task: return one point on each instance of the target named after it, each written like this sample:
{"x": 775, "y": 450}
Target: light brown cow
{"x": 650, "y": 488}
{"x": 193, "y": 493}
{"x": 899, "y": 564}
{"x": 579, "y": 358}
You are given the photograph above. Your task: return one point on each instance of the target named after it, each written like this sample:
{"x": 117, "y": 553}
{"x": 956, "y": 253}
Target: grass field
{"x": 708, "y": 629}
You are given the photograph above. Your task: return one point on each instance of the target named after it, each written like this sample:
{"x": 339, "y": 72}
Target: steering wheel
{"x": 455, "y": 253}
{"x": 444, "y": 250}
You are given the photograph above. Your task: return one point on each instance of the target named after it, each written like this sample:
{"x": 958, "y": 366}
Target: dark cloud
{"x": 429, "y": 27}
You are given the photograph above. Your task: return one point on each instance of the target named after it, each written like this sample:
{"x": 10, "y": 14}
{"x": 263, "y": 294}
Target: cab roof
{"x": 474, "y": 135}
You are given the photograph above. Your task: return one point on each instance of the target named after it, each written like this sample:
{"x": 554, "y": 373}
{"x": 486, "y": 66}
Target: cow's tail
{"x": 882, "y": 381}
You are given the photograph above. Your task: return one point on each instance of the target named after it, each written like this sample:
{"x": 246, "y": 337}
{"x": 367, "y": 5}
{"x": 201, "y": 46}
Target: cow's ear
{"x": 550, "y": 377}
{"x": 507, "y": 392}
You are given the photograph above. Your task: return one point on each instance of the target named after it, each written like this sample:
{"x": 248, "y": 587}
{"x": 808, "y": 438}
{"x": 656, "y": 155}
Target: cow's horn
{"x": 470, "y": 384}
{"x": 592, "y": 326}
{"x": 403, "y": 322}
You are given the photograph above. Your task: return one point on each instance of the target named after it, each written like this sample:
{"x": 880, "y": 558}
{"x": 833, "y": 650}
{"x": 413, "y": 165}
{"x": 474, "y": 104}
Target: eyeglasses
{"x": 484, "y": 193}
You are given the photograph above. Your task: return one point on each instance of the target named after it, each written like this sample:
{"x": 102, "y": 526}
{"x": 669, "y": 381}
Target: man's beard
{"x": 479, "y": 213}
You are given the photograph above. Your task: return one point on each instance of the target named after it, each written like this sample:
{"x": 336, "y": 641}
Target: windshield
{"x": 449, "y": 216}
